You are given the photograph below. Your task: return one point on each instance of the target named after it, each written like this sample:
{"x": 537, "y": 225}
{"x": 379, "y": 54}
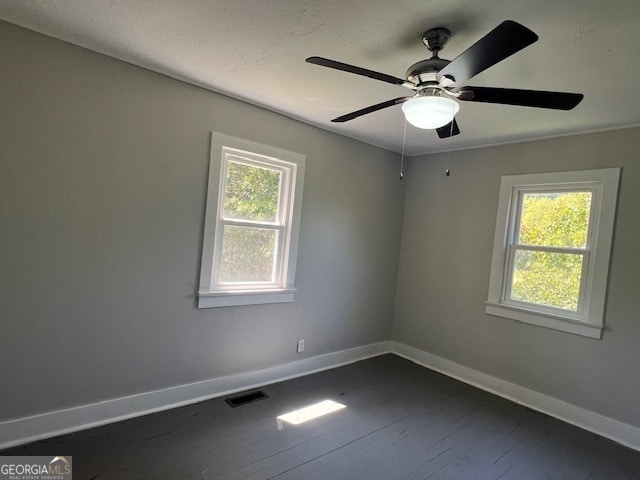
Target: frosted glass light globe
{"x": 430, "y": 112}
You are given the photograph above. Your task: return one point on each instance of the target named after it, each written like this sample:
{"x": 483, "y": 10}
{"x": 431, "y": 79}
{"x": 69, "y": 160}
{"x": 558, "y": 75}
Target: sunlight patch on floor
{"x": 311, "y": 412}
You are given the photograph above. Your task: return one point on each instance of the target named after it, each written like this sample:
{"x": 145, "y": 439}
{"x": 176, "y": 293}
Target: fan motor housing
{"x": 424, "y": 72}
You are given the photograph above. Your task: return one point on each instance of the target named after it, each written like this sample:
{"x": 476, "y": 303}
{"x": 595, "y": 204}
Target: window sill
{"x": 555, "y": 322}
{"x": 230, "y": 298}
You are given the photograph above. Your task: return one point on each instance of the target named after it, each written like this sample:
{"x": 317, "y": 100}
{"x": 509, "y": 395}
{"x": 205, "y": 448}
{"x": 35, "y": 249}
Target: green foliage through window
{"x": 251, "y": 193}
{"x": 555, "y": 219}
{"x": 544, "y": 278}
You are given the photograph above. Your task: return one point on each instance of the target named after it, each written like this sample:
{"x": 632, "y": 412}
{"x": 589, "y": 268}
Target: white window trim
{"x": 209, "y": 293}
{"x": 589, "y": 320}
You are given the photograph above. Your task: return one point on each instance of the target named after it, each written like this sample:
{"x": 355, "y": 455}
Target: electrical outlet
{"x": 300, "y": 346}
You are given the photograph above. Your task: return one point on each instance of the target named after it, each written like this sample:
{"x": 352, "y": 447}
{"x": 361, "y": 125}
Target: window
{"x": 551, "y": 249}
{"x": 251, "y": 224}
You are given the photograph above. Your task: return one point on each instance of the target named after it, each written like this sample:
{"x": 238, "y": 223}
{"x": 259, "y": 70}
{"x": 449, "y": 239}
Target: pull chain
{"x": 447, "y": 172}
{"x": 404, "y": 136}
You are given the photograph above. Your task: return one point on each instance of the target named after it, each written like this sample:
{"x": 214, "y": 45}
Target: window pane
{"x": 545, "y": 278}
{"x": 558, "y": 219}
{"x": 248, "y": 254}
{"x": 252, "y": 192}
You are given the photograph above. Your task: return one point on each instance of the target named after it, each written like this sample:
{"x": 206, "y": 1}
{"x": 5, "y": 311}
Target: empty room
{"x": 319, "y": 240}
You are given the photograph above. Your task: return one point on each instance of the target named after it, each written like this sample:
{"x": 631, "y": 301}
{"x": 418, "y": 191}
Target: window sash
{"x": 254, "y": 160}
{"x": 508, "y": 299}
{"x": 517, "y": 199}
{"x": 513, "y": 246}
{"x": 279, "y": 260}
{"x": 280, "y": 225}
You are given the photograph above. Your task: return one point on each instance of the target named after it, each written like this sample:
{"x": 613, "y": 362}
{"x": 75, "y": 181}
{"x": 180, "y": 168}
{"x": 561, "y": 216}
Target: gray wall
{"x": 444, "y": 274}
{"x": 103, "y": 170}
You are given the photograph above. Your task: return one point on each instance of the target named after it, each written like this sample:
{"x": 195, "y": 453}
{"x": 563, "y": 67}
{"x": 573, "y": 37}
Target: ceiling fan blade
{"x": 503, "y": 41}
{"x": 345, "y": 67}
{"x": 449, "y": 130}
{"x": 372, "y": 108}
{"x": 525, "y": 98}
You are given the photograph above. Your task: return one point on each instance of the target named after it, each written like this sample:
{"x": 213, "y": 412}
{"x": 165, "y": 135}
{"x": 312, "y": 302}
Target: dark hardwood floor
{"x": 402, "y": 421}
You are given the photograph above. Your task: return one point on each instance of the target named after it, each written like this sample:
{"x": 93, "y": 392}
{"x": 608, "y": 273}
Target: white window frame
{"x": 212, "y": 291}
{"x": 588, "y": 320}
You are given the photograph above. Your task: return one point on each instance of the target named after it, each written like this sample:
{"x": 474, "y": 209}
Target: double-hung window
{"x": 551, "y": 249}
{"x": 251, "y": 224}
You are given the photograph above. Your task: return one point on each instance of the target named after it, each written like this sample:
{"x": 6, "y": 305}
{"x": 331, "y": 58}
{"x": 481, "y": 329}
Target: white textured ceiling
{"x": 254, "y": 50}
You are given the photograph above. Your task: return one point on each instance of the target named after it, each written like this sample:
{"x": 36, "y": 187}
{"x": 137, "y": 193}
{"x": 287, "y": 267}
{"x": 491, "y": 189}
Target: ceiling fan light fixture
{"x": 429, "y": 112}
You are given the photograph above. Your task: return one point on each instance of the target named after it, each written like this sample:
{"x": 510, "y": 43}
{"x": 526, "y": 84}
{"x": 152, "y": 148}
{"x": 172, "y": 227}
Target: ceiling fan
{"x": 439, "y": 83}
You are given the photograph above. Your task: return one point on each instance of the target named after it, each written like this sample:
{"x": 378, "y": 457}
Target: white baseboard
{"x": 607, "y": 427}
{"x": 49, "y": 424}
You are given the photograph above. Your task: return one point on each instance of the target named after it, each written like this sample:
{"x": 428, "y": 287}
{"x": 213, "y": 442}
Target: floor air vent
{"x": 245, "y": 398}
